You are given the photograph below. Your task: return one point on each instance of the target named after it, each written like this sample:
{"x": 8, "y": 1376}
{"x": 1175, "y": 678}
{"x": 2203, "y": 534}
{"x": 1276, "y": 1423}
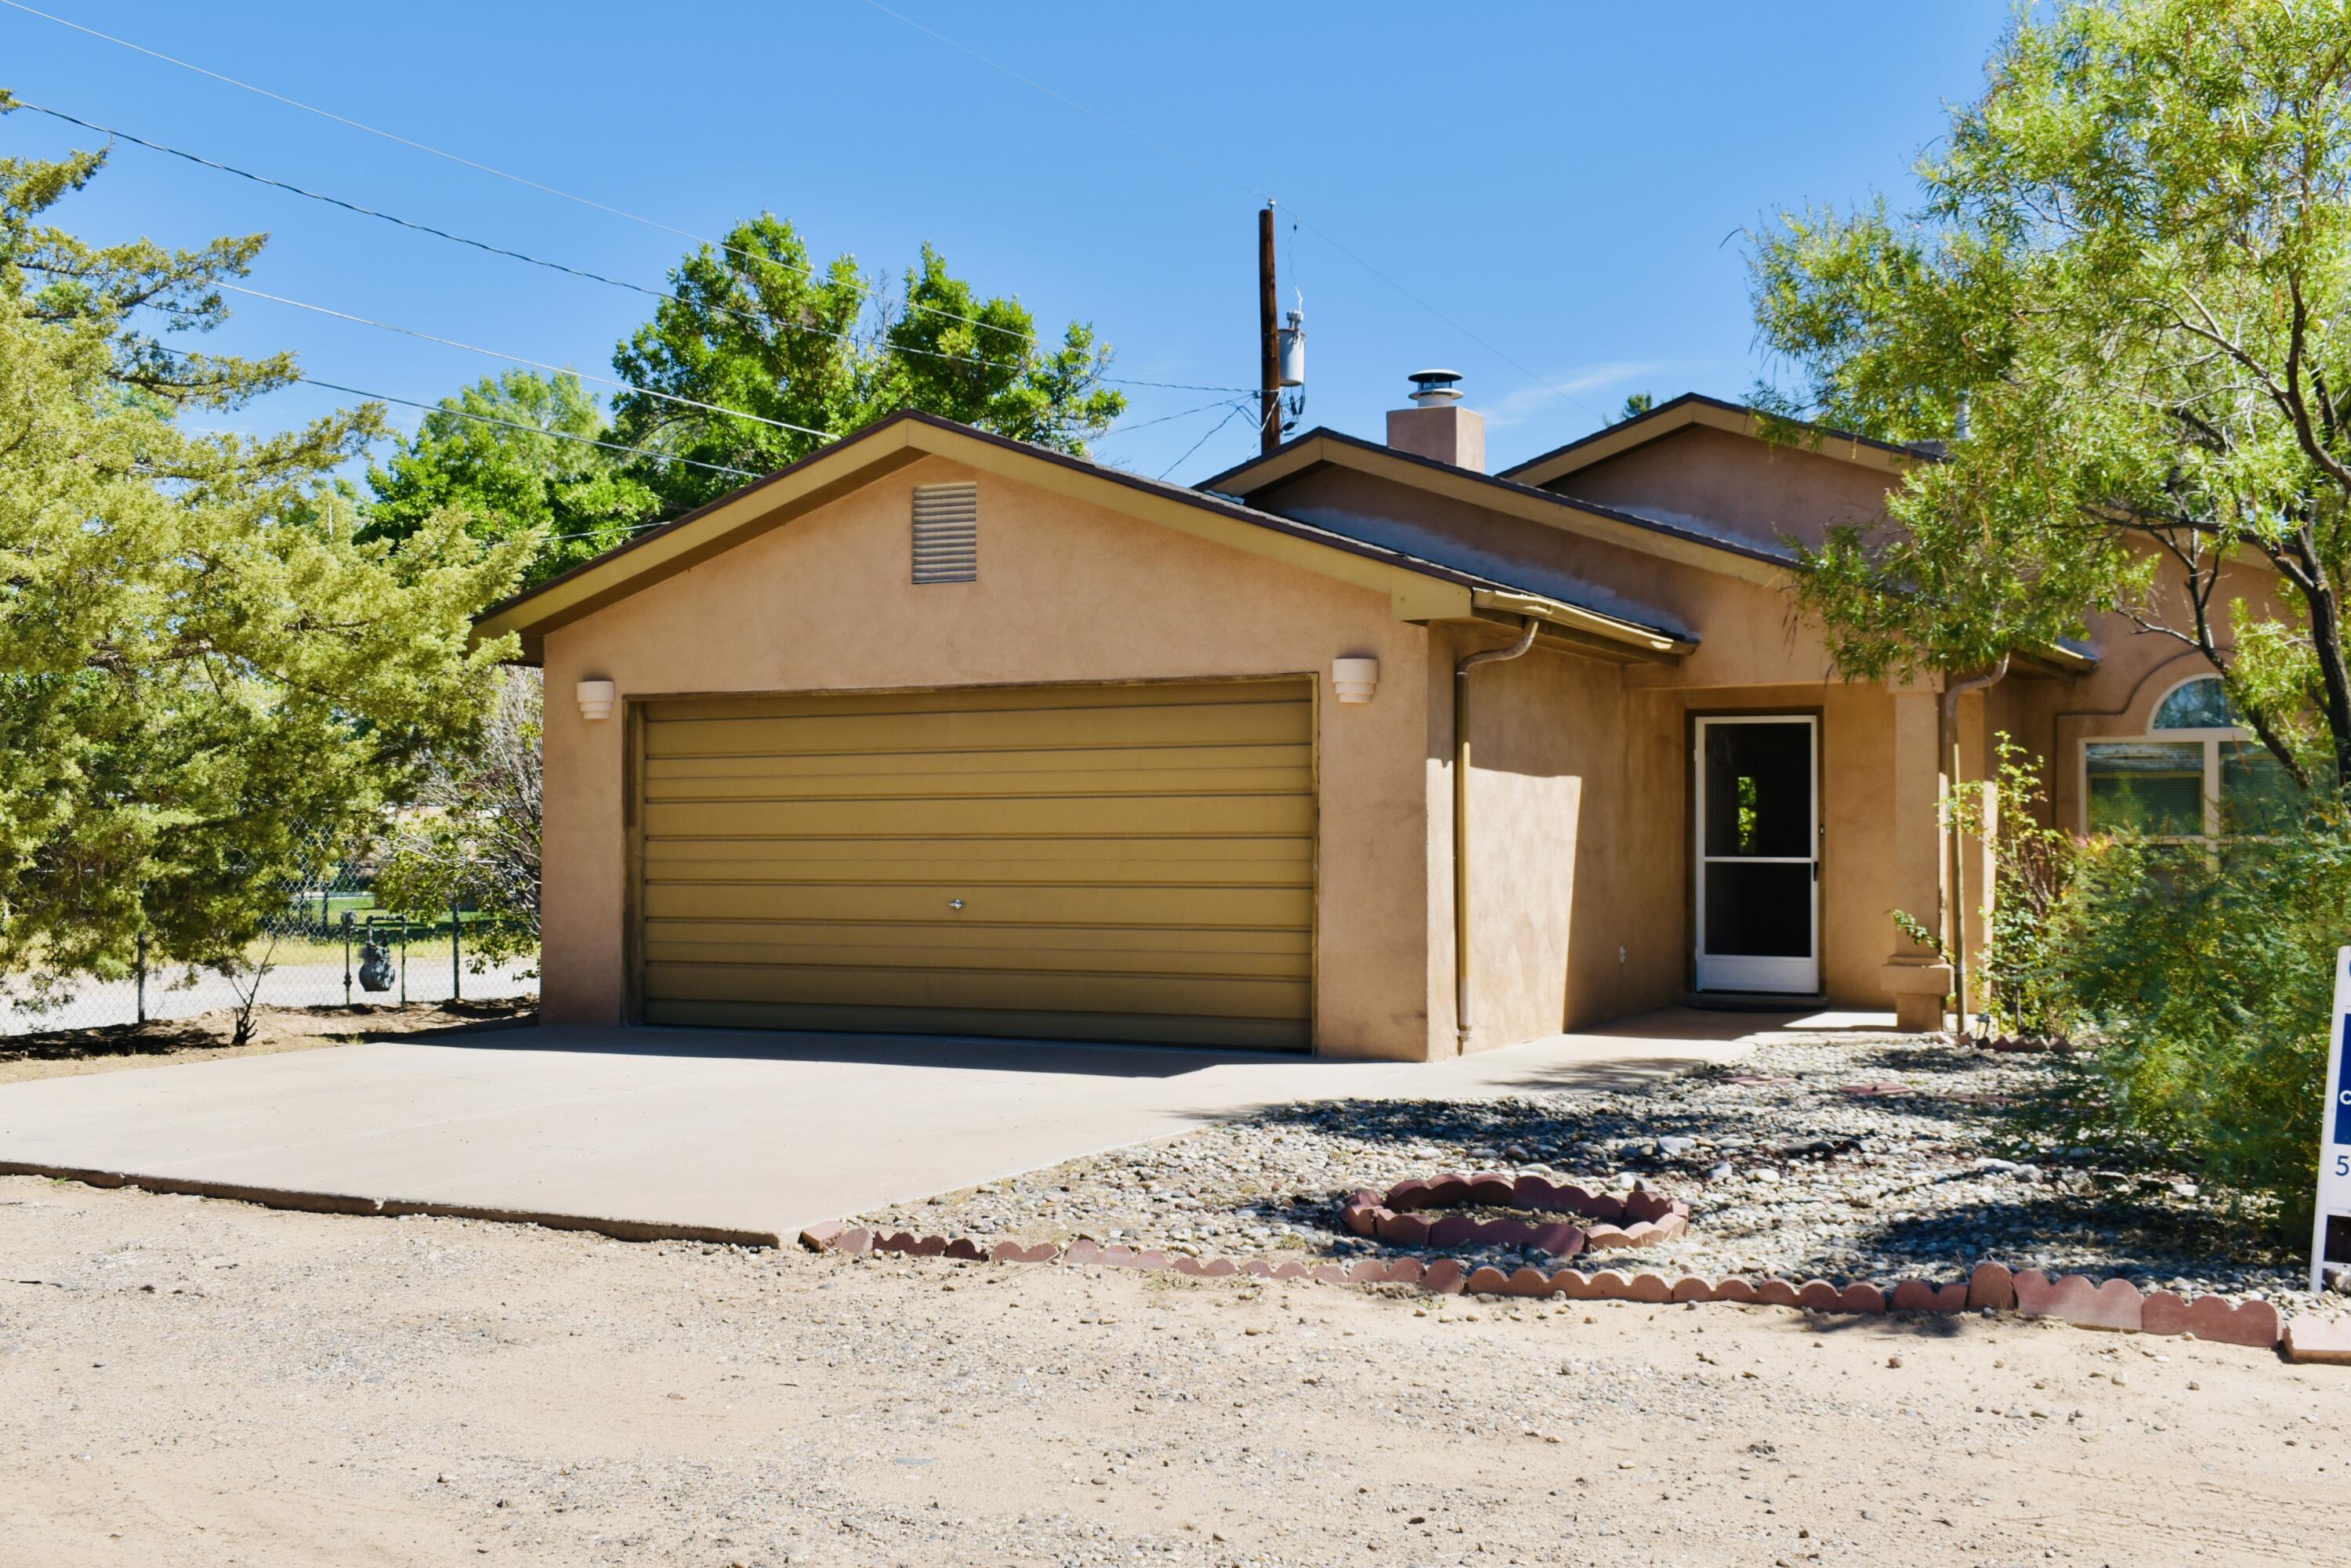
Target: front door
{"x": 1757, "y": 862}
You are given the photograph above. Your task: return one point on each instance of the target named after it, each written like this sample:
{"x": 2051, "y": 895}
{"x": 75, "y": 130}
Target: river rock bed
{"x": 1845, "y": 1156}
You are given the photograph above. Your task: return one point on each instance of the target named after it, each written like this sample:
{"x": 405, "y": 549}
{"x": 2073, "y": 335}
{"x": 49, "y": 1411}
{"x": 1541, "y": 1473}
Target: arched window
{"x": 2198, "y": 775}
{"x": 2200, "y": 704}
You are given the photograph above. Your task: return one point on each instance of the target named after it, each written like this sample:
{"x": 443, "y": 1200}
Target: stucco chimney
{"x": 1437, "y": 425}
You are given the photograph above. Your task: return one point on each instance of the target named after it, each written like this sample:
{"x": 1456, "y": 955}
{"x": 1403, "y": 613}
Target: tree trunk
{"x": 2326, "y": 641}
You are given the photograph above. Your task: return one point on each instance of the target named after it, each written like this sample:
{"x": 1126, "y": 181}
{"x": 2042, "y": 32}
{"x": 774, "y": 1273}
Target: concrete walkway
{"x": 742, "y": 1136}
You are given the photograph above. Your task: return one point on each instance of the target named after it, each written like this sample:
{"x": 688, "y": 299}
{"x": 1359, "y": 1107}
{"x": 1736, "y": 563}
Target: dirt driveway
{"x": 195, "y": 1381}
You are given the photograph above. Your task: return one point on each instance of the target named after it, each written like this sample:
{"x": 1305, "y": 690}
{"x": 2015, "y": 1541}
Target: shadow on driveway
{"x": 962, "y": 1054}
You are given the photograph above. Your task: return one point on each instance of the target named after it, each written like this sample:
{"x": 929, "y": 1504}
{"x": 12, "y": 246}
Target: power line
{"x": 525, "y": 429}
{"x": 758, "y": 316}
{"x": 1230, "y": 179}
{"x": 474, "y": 163}
{"x": 1125, "y": 429}
{"x": 517, "y": 358}
{"x": 1238, "y": 405}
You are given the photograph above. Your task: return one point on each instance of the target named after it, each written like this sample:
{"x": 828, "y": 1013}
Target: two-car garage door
{"x": 1125, "y": 863}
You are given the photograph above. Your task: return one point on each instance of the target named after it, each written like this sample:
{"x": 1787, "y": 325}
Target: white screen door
{"x": 1758, "y": 861}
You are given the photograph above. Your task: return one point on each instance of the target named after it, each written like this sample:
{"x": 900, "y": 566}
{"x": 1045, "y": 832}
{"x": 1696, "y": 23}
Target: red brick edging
{"x": 1637, "y": 1220}
{"x": 2071, "y": 1298}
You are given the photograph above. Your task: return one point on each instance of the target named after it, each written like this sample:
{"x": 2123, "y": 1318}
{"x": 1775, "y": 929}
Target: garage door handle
{"x": 954, "y": 903}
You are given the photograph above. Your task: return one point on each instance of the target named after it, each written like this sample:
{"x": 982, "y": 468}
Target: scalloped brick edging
{"x": 1396, "y": 1217}
{"x": 2074, "y": 1298}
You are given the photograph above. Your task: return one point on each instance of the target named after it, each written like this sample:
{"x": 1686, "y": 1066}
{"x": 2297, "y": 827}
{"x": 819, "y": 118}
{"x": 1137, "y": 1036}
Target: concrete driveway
{"x": 724, "y": 1136}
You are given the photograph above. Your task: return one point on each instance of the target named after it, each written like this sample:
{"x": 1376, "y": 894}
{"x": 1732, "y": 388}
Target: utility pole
{"x": 1268, "y": 332}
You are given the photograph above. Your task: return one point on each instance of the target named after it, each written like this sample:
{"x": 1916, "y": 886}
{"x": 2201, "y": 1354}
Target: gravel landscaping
{"x": 1846, "y": 1156}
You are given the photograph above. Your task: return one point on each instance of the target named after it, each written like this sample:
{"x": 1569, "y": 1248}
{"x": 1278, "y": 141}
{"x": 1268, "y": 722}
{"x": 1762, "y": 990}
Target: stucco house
{"x": 1355, "y": 749}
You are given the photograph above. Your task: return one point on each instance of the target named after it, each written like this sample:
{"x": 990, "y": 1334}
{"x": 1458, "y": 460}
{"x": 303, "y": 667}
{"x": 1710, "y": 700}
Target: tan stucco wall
{"x": 1580, "y": 902}
{"x": 1597, "y": 797}
{"x": 1067, "y": 591}
{"x": 1734, "y": 484}
{"x": 1575, "y": 844}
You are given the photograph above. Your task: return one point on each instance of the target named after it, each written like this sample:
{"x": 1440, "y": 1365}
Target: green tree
{"x": 2124, "y": 305}
{"x": 1636, "y": 405}
{"x": 203, "y": 676}
{"x": 470, "y": 832}
{"x": 800, "y": 354}
{"x": 514, "y": 454}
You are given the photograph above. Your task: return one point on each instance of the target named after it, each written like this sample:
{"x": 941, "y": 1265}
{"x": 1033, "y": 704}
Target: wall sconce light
{"x": 1354, "y": 679}
{"x": 596, "y": 699}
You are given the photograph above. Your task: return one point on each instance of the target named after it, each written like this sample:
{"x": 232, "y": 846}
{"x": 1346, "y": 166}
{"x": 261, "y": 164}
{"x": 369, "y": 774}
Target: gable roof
{"x": 1697, "y": 408}
{"x": 1674, "y": 540}
{"x": 1421, "y": 589}
{"x": 1671, "y": 540}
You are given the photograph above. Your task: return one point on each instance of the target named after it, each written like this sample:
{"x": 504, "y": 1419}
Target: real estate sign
{"x": 2330, "y": 1239}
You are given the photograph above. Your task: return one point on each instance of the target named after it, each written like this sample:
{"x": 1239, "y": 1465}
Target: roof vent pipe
{"x": 1433, "y": 388}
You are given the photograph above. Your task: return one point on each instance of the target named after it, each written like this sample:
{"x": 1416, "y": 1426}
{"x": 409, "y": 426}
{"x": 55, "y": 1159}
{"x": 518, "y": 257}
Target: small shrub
{"x": 2024, "y": 963}
{"x": 2203, "y": 985}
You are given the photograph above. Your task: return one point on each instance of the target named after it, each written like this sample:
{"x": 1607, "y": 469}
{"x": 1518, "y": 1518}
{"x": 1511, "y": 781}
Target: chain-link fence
{"x": 328, "y": 945}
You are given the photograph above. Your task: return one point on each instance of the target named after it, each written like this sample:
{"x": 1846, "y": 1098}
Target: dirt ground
{"x": 184, "y": 1380}
{"x": 57, "y": 1053}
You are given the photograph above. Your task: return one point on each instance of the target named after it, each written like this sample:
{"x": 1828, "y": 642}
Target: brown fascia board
{"x": 1650, "y": 536}
{"x": 1697, "y": 408}
{"x": 907, "y": 436}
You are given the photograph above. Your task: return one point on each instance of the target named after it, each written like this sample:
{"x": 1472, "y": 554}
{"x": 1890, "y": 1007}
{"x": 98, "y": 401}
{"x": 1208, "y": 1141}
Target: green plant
{"x": 2024, "y": 962}
{"x": 758, "y": 347}
{"x": 2118, "y": 309}
{"x": 203, "y": 676}
{"x": 471, "y": 835}
{"x": 1922, "y": 933}
{"x": 2205, "y": 982}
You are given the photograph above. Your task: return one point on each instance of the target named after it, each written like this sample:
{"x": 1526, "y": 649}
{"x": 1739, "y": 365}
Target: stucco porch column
{"x": 1919, "y": 980}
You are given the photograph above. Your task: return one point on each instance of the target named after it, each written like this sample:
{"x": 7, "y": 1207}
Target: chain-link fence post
{"x": 142, "y": 976}
{"x": 456, "y": 982}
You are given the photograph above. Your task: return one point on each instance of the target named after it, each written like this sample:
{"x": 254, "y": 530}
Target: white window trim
{"x": 2211, "y": 740}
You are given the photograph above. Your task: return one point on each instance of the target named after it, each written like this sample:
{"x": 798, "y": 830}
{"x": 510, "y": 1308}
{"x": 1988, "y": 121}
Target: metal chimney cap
{"x": 1434, "y": 386}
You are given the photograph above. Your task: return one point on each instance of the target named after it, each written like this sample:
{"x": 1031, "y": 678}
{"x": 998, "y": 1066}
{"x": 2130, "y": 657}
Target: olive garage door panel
{"x": 1077, "y": 862}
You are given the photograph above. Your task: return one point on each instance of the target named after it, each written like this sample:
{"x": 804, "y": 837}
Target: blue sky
{"x": 1566, "y": 183}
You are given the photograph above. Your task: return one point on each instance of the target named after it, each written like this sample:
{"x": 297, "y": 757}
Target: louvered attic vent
{"x": 947, "y": 533}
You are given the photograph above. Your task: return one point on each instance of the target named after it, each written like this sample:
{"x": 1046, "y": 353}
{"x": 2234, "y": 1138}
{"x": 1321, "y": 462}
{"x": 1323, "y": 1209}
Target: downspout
{"x": 1952, "y": 692}
{"x": 1461, "y": 822}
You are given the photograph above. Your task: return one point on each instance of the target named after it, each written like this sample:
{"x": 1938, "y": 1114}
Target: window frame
{"x": 2211, "y": 738}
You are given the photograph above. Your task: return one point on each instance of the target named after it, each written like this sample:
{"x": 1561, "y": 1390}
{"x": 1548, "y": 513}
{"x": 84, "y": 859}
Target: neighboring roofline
{"x": 1650, "y": 536}
{"x": 1697, "y": 408}
{"x": 1420, "y": 589}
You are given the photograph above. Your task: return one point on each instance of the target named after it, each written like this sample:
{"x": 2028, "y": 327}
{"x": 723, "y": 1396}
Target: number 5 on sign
{"x": 2330, "y": 1236}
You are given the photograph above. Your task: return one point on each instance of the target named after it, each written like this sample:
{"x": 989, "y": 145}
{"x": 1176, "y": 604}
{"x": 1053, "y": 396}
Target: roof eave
{"x": 1649, "y": 535}
{"x": 1418, "y": 590}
